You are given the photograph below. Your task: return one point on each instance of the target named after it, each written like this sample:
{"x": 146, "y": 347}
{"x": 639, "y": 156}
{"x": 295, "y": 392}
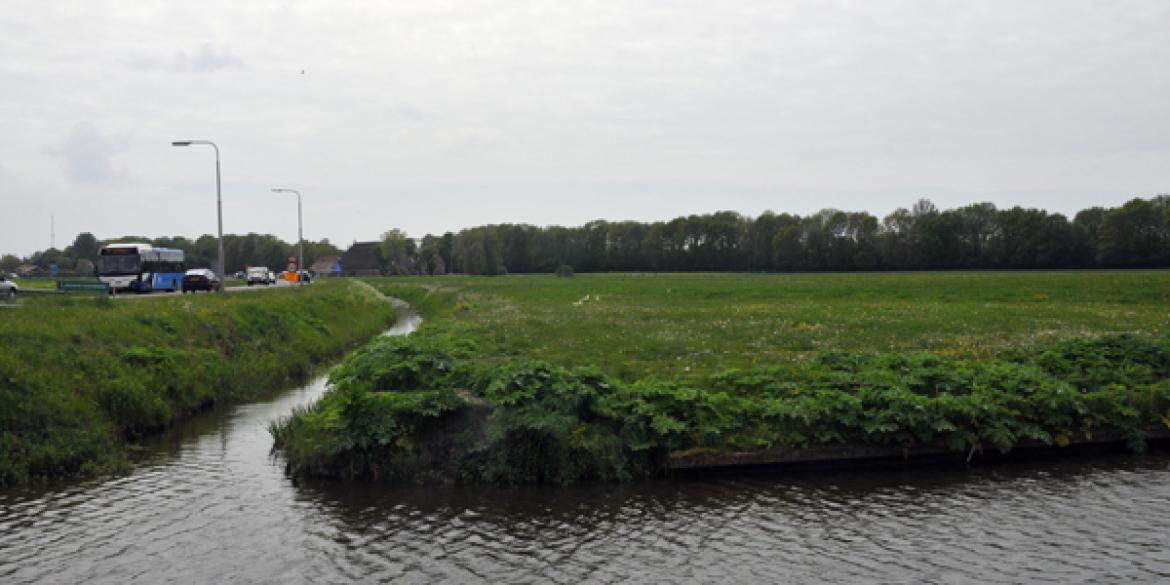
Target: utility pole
{"x": 300, "y": 235}
{"x": 218, "y": 204}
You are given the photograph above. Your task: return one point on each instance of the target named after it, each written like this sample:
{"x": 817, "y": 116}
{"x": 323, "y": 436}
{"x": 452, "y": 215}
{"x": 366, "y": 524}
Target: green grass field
{"x": 674, "y": 325}
{"x": 524, "y": 379}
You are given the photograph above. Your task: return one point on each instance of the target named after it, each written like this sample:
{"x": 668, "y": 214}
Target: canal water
{"x": 209, "y": 504}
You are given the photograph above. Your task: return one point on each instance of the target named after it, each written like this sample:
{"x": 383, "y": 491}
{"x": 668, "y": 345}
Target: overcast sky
{"x": 433, "y": 116}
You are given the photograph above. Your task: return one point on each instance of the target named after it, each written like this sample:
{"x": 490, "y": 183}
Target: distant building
{"x": 324, "y": 266}
{"x": 27, "y": 270}
{"x": 362, "y": 259}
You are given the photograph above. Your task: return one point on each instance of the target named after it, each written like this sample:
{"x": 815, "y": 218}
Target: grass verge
{"x": 80, "y": 376}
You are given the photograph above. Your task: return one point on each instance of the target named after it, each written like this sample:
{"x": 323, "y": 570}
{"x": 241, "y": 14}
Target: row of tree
{"x": 979, "y": 236}
{"x": 1134, "y": 235}
{"x": 81, "y": 256}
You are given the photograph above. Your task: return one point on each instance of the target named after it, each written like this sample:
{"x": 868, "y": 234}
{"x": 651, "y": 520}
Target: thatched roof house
{"x": 362, "y": 259}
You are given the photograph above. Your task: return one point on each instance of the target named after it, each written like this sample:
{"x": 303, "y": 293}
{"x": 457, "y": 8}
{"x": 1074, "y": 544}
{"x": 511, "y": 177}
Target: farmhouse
{"x": 27, "y": 270}
{"x": 324, "y": 266}
{"x": 362, "y": 259}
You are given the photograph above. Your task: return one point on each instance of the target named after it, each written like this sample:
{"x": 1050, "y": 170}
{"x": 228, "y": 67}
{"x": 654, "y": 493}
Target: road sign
{"x": 53, "y": 270}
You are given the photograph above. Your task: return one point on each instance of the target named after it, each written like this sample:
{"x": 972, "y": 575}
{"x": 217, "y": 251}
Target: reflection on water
{"x": 209, "y": 504}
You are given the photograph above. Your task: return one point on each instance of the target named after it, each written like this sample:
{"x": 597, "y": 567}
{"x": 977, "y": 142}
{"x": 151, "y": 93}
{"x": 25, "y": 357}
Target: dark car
{"x": 200, "y": 279}
{"x": 305, "y": 276}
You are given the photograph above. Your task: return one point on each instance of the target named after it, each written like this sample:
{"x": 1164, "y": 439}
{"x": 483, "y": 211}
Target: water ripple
{"x": 210, "y": 505}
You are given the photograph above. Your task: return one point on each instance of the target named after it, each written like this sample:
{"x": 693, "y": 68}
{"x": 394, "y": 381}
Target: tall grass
{"x": 82, "y": 376}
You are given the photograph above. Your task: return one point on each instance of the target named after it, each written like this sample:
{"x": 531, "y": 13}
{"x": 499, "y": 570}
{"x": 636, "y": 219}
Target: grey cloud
{"x": 411, "y": 113}
{"x": 87, "y": 153}
{"x": 206, "y": 59}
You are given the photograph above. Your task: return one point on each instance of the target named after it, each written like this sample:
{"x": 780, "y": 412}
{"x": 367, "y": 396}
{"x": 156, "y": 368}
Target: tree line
{"x": 978, "y": 236}
{"x": 80, "y": 257}
{"x": 922, "y": 237}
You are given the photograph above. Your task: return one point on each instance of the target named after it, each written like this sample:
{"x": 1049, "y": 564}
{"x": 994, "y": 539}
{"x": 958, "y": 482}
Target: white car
{"x": 8, "y": 289}
{"x": 260, "y": 275}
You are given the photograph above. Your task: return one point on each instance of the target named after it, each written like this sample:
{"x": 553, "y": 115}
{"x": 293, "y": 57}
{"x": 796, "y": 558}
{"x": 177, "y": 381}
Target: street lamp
{"x": 300, "y": 237}
{"x": 218, "y": 201}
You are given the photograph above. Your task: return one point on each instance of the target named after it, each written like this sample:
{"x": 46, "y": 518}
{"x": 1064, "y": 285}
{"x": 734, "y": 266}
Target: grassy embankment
{"x": 81, "y": 376}
{"x": 534, "y": 378}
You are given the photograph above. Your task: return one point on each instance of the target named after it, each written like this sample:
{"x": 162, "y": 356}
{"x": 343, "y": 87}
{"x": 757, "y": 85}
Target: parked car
{"x": 200, "y": 279}
{"x": 8, "y": 289}
{"x": 306, "y": 277}
{"x": 239, "y": 275}
{"x": 260, "y": 275}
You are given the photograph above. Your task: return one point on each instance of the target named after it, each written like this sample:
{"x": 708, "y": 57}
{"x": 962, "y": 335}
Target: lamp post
{"x": 300, "y": 236}
{"x": 218, "y": 201}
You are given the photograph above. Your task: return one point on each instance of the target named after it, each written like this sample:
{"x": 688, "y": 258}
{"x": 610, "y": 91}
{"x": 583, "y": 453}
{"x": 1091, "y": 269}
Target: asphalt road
{"x": 131, "y": 296}
{"x": 230, "y": 289}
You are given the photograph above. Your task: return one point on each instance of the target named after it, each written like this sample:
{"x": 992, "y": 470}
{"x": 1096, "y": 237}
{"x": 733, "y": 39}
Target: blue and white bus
{"x": 141, "y": 268}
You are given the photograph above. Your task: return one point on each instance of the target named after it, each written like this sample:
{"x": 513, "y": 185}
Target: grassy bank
{"x": 81, "y": 376}
{"x": 523, "y": 379}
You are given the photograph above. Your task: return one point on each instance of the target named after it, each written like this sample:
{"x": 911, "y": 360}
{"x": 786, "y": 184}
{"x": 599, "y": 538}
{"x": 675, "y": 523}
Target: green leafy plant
{"x": 538, "y": 422}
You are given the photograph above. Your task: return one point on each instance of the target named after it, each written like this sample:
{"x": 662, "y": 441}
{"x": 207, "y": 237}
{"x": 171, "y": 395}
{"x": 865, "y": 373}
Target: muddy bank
{"x": 698, "y": 462}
